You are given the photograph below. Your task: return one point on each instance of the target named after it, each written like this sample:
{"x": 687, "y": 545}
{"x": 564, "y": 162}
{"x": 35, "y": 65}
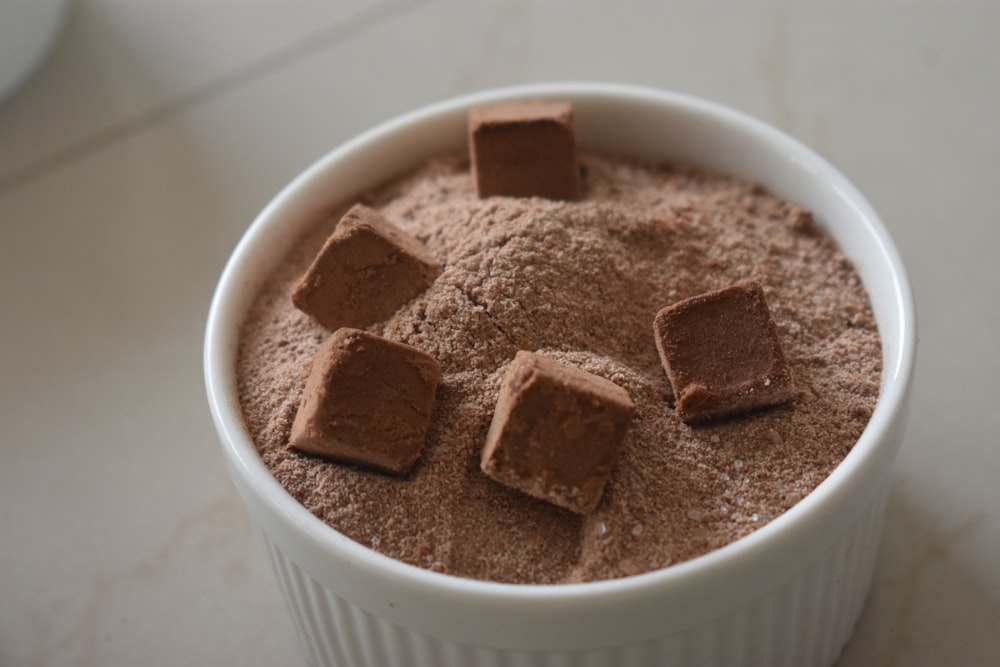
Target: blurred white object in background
{"x": 28, "y": 30}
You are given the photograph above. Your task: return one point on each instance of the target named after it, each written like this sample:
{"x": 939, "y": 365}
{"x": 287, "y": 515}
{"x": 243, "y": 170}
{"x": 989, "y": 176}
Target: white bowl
{"x": 28, "y": 30}
{"x": 788, "y": 594}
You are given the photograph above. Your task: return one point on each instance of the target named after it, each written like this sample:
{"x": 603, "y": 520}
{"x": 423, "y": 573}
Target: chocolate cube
{"x": 556, "y": 432}
{"x": 367, "y": 401}
{"x": 722, "y": 354}
{"x": 365, "y": 271}
{"x": 525, "y": 148}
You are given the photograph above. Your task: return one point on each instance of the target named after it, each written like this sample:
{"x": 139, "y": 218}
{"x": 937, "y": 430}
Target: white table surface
{"x": 134, "y": 159}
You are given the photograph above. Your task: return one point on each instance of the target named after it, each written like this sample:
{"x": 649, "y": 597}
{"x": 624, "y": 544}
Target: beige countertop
{"x": 134, "y": 159}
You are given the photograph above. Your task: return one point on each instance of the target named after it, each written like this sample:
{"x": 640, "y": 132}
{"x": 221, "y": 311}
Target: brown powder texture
{"x": 581, "y": 282}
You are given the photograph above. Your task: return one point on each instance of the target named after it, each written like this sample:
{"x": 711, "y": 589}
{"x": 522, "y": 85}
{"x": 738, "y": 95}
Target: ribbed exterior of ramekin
{"x": 804, "y": 622}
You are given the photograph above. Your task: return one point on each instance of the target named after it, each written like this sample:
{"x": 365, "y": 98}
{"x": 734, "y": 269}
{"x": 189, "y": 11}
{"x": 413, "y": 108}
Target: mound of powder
{"x": 579, "y": 282}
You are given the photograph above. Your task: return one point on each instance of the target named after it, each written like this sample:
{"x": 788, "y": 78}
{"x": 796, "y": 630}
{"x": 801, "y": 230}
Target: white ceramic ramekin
{"x": 788, "y": 594}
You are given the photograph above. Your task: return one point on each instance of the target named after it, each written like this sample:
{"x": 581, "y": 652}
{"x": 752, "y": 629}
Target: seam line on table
{"x": 332, "y": 35}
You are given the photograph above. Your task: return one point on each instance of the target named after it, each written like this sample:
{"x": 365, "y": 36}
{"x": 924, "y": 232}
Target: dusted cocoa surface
{"x": 580, "y": 282}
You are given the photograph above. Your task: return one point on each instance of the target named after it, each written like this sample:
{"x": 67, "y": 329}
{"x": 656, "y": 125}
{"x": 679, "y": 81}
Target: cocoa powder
{"x": 579, "y": 282}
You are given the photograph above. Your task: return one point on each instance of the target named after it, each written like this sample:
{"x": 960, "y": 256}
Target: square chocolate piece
{"x": 367, "y": 401}
{"x": 722, "y": 354}
{"x": 525, "y": 148}
{"x": 365, "y": 271}
{"x": 556, "y": 432}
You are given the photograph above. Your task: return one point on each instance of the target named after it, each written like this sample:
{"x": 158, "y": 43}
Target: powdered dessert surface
{"x": 579, "y": 282}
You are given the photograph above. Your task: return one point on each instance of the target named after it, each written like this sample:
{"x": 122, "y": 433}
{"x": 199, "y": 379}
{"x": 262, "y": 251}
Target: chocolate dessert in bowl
{"x": 568, "y": 373}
